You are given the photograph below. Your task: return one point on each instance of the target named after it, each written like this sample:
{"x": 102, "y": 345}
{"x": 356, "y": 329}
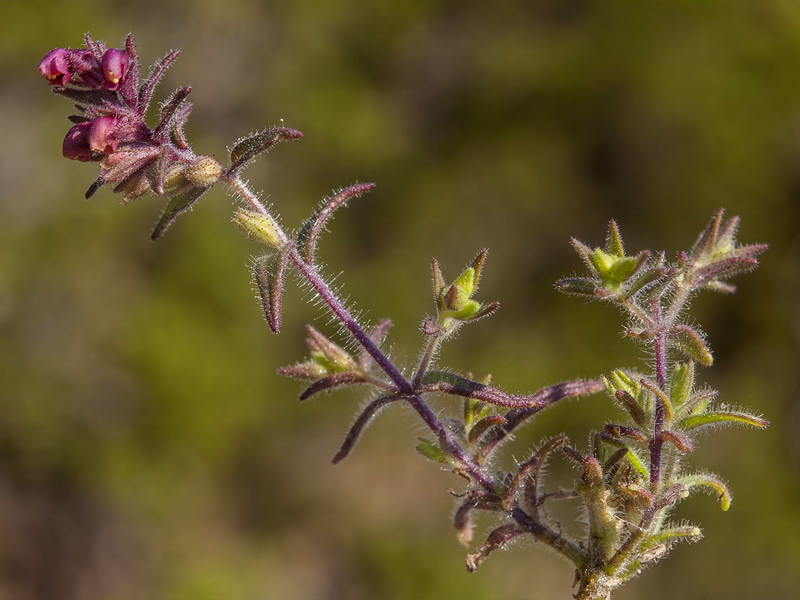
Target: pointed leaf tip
{"x": 268, "y": 272}
{"x": 249, "y": 147}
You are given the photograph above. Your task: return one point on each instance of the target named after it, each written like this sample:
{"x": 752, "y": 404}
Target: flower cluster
{"x": 110, "y": 128}
{"x": 92, "y": 69}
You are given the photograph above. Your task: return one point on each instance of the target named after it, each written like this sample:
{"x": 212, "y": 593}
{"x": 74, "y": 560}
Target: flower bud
{"x": 204, "y": 172}
{"x": 76, "y": 143}
{"x": 258, "y": 226}
{"x": 114, "y": 67}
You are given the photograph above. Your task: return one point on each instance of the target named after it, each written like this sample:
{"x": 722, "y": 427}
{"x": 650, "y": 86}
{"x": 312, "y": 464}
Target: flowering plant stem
{"x": 632, "y": 475}
{"x": 311, "y": 274}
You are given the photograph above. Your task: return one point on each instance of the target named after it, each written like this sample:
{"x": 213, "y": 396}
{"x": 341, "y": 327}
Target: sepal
{"x": 454, "y": 303}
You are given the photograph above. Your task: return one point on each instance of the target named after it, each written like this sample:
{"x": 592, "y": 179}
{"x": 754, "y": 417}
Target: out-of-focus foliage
{"x": 147, "y": 450}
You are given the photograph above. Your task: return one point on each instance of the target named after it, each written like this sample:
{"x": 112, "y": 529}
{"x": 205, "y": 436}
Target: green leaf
{"x": 637, "y": 463}
{"x": 175, "y": 208}
{"x": 614, "y": 240}
{"x": 315, "y": 225}
{"x": 681, "y": 383}
{"x": 683, "y": 533}
{"x": 712, "y": 483}
{"x": 249, "y": 147}
{"x": 578, "y": 286}
{"x": 690, "y": 341}
{"x": 328, "y": 353}
{"x": 430, "y": 450}
{"x": 721, "y": 418}
{"x": 268, "y": 272}
{"x": 665, "y": 400}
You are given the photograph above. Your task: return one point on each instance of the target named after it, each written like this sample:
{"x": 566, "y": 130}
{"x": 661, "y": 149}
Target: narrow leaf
{"x": 708, "y": 237}
{"x": 86, "y": 97}
{"x": 249, "y": 147}
{"x": 168, "y": 111}
{"x": 309, "y": 371}
{"x": 690, "y": 341}
{"x": 361, "y": 422}
{"x": 175, "y": 208}
{"x": 268, "y": 272}
{"x": 482, "y": 426}
{"x": 614, "y": 240}
{"x": 328, "y": 352}
{"x": 147, "y": 88}
{"x": 128, "y": 88}
{"x": 724, "y": 268}
{"x": 432, "y": 451}
{"x": 313, "y": 227}
{"x": 477, "y": 267}
{"x": 376, "y": 335}
{"x": 681, "y": 383}
{"x": 619, "y": 431}
{"x": 331, "y": 382}
{"x": 474, "y": 500}
{"x": 633, "y": 407}
{"x": 662, "y": 397}
{"x": 711, "y": 483}
{"x": 722, "y": 418}
{"x": 578, "y": 286}
{"x": 497, "y": 539}
{"x": 438, "y": 280}
{"x": 531, "y": 468}
{"x": 679, "y": 440}
{"x": 684, "y": 533}
{"x": 698, "y": 402}
{"x": 585, "y": 252}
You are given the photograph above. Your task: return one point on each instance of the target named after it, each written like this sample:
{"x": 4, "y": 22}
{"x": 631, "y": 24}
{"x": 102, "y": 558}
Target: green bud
{"x": 258, "y": 226}
{"x": 328, "y": 353}
{"x": 205, "y": 171}
{"x": 681, "y": 383}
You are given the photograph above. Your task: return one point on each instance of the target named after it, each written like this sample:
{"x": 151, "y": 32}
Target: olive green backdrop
{"x": 148, "y": 450}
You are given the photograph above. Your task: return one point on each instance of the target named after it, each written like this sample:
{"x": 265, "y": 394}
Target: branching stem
{"x": 337, "y": 307}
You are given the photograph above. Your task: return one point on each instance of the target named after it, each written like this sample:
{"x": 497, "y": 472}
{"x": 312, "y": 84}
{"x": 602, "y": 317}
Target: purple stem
{"x": 660, "y": 352}
{"x": 406, "y": 389}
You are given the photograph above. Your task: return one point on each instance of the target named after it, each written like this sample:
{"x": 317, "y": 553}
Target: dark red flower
{"x": 114, "y": 67}
{"x": 55, "y": 66}
{"x": 76, "y": 143}
{"x": 103, "y": 135}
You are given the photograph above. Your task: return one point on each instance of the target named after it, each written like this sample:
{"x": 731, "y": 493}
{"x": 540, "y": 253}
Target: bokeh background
{"x": 148, "y": 450}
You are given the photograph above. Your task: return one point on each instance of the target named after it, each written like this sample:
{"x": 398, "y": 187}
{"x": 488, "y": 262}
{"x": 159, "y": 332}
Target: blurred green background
{"x": 148, "y": 450}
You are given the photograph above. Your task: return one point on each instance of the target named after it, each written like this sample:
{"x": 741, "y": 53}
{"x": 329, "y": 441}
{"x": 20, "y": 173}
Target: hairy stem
{"x": 310, "y": 273}
{"x": 425, "y": 360}
{"x": 660, "y": 354}
{"x": 406, "y": 389}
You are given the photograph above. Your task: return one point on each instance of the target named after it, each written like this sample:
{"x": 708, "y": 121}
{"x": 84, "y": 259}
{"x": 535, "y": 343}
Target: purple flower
{"x": 55, "y": 66}
{"x": 85, "y": 141}
{"x": 76, "y": 143}
{"x": 103, "y": 135}
{"x": 114, "y": 67}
